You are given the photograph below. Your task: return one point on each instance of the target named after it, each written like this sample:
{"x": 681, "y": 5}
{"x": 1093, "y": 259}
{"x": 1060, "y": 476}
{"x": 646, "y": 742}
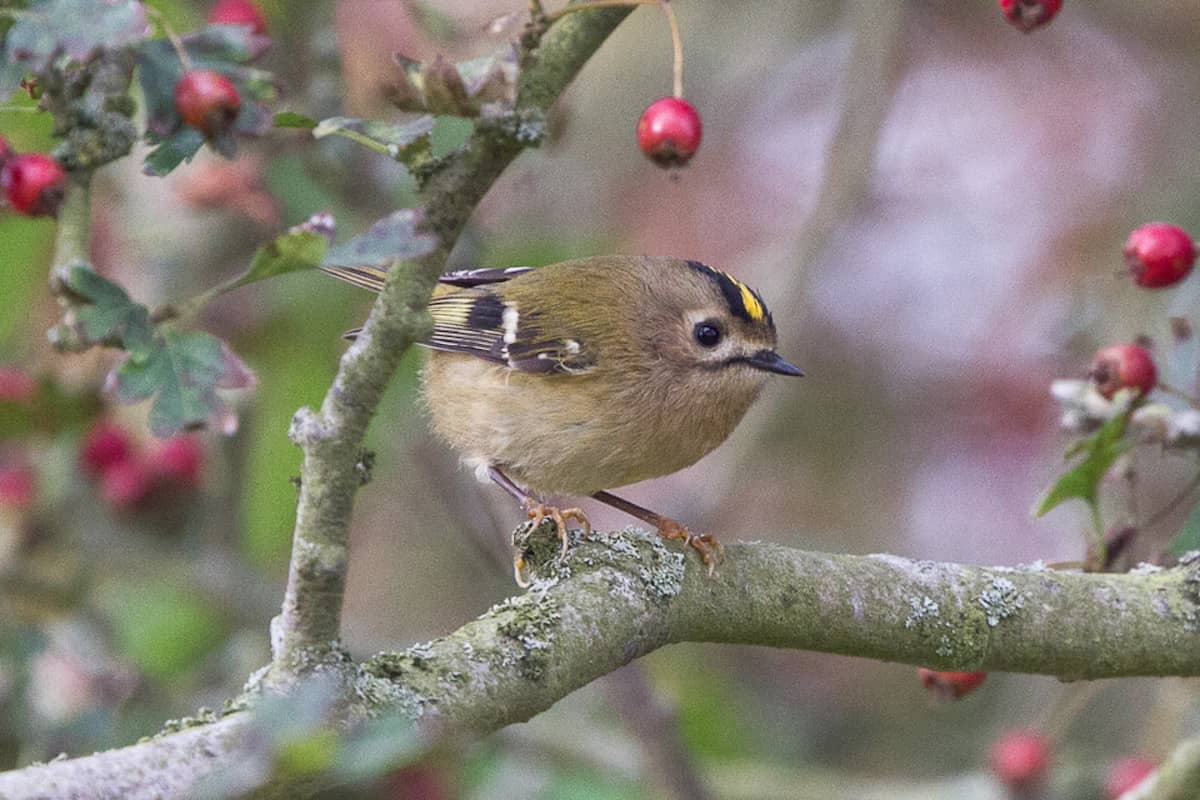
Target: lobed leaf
{"x": 396, "y": 236}
{"x": 80, "y": 29}
{"x": 182, "y": 372}
{"x": 108, "y": 316}
{"x": 1097, "y": 453}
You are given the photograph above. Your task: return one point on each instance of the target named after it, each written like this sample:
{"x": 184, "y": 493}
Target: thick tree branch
{"x": 332, "y": 437}
{"x": 622, "y": 595}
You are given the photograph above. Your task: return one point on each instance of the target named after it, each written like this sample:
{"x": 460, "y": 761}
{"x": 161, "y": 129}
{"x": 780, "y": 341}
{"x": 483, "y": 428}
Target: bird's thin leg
{"x": 538, "y": 511}
{"x": 705, "y": 544}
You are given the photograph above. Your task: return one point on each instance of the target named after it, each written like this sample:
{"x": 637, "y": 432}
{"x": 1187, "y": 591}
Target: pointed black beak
{"x": 771, "y": 361}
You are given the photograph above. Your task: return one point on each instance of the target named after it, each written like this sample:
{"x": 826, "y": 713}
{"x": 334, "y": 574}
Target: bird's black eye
{"x": 707, "y": 334}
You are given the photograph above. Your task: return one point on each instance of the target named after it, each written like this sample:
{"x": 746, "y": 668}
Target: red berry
{"x": 126, "y": 484}
{"x": 238, "y": 12}
{"x": 1021, "y": 759}
{"x": 33, "y": 184}
{"x": 106, "y": 445}
{"x": 1025, "y": 15}
{"x": 669, "y": 131}
{"x": 1159, "y": 254}
{"x": 16, "y": 385}
{"x": 1126, "y": 773}
{"x": 950, "y": 685}
{"x": 207, "y": 100}
{"x": 1123, "y": 366}
{"x": 18, "y": 486}
{"x": 179, "y": 460}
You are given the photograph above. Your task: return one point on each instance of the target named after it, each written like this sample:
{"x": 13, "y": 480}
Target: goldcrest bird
{"x": 579, "y": 377}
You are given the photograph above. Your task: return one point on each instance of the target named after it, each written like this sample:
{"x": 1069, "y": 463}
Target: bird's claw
{"x": 540, "y": 511}
{"x": 708, "y": 546}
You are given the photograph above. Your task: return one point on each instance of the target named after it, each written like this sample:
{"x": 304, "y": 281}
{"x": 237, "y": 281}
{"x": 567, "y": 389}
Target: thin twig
{"x": 676, "y": 45}
{"x": 172, "y": 36}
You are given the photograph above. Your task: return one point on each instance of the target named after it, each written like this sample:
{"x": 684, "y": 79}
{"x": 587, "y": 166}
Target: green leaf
{"x": 162, "y": 628}
{"x": 1097, "y": 454}
{"x": 392, "y": 238}
{"x": 78, "y": 28}
{"x": 1189, "y": 538}
{"x": 172, "y": 151}
{"x": 407, "y": 142}
{"x": 107, "y": 316}
{"x": 302, "y": 247}
{"x": 182, "y": 372}
{"x": 290, "y": 119}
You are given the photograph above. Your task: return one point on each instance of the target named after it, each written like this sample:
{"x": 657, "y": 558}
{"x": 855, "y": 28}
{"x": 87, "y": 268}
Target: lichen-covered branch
{"x": 332, "y": 437}
{"x": 619, "y": 596}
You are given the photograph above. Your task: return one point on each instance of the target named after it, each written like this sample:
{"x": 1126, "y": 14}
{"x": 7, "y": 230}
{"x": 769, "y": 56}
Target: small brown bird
{"x": 582, "y": 376}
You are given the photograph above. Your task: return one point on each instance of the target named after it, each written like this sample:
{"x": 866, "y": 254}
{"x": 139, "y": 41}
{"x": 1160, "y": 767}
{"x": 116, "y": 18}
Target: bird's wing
{"x": 371, "y": 278}
{"x": 482, "y": 324}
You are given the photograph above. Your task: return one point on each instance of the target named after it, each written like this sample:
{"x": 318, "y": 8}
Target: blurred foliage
{"x": 850, "y": 458}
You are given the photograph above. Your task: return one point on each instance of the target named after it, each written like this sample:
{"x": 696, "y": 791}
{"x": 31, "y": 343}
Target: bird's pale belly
{"x": 556, "y": 449}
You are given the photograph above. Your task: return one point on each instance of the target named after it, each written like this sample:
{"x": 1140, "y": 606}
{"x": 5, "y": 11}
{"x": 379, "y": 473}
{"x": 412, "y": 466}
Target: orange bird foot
{"x": 710, "y": 549}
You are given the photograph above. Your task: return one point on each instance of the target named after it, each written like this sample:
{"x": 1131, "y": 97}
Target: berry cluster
{"x": 1157, "y": 255}
{"x": 127, "y": 476}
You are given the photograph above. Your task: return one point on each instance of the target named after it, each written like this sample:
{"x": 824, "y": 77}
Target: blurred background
{"x": 933, "y": 206}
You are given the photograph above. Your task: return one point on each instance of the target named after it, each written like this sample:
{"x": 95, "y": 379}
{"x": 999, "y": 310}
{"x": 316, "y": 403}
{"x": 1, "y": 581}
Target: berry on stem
{"x": 1021, "y": 759}
{"x": 1123, "y": 366}
{"x": 1126, "y": 773}
{"x": 208, "y": 101}
{"x": 1026, "y": 15}
{"x": 950, "y": 685}
{"x": 669, "y": 132}
{"x": 238, "y": 12}
{"x": 1159, "y": 254}
{"x": 33, "y": 184}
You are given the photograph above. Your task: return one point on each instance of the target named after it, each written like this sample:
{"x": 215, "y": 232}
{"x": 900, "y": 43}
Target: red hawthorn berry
{"x": 1026, "y": 15}
{"x": 1122, "y": 366}
{"x": 950, "y": 685}
{"x": 33, "y": 184}
{"x": 18, "y": 487}
{"x": 125, "y": 484}
{"x": 207, "y": 100}
{"x": 179, "y": 460}
{"x": 1126, "y": 773}
{"x": 669, "y": 132}
{"x": 16, "y": 385}
{"x": 238, "y": 12}
{"x": 1021, "y": 759}
{"x": 1159, "y": 254}
{"x": 106, "y": 445}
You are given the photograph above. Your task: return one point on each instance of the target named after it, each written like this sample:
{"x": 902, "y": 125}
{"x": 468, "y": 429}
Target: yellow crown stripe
{"x": 750, "y": 301}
